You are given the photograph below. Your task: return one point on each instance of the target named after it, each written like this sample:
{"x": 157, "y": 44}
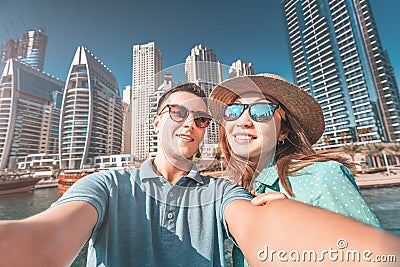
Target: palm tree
{"x": 344, "y": 136}
{"x": 327, "y": 140}
{"x": 394, "y": 149}
{"x": 375, "y": 150}
{"x": 218, "y": 153}
{"x": 352, "y": 149}
{"x": 362, "y": 133}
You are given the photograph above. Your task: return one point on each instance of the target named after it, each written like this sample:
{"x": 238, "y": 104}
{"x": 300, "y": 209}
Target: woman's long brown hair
{"x": 292, "y": 156}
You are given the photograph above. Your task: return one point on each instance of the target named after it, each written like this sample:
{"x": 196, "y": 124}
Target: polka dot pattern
{"x": 329, "y": 185}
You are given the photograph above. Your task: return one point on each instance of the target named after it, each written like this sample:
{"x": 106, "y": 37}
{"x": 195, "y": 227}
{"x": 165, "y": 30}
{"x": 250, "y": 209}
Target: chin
{"x": 187, "y": 155}
{"x": 244, "y": 156}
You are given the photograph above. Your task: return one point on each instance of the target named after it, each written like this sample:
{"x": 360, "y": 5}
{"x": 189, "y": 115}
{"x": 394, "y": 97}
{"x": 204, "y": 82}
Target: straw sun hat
{"x": 301, "y": 106}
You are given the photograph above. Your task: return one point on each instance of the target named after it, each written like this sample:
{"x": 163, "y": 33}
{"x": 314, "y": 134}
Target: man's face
{"x": 180, "y": 140}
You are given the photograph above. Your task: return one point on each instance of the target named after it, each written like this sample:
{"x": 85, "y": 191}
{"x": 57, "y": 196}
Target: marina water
{"x": 385, "y": 202}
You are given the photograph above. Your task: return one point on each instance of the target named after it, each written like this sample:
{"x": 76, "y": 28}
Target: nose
{"x": 244, "y": 120}
{"x": 189, "y": 122}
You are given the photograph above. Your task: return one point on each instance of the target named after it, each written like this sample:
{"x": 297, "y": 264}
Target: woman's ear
{"x": 283, "y": 133}
{"x": 282, "y": 137}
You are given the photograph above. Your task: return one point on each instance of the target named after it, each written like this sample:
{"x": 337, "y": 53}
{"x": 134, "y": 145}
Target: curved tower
{"x": 91, "y": 113}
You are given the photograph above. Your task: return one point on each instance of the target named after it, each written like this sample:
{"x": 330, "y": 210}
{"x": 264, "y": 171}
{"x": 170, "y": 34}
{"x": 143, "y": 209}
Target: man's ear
{"x": 156, "y": 121}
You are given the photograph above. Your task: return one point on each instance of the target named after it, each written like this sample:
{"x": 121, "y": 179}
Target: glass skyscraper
{"x": 30, "y": 49}
{"x": 91, "y": 113}
{"x": 337, "y": 56}
{"x": 30, "y": 103}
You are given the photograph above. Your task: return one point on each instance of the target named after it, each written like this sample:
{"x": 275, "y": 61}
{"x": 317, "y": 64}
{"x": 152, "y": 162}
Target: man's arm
{"x": 290, "y": 227}
{"x": 51, "y": 238}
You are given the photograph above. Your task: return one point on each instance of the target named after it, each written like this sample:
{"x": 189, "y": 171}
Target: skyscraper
{"x": 202, "y": 68}
{"x": 30, "y": 102}
{"x": 337, "y": 57}
{"x": 31, "y": 49}
{"x": 127, "y": 126}
{"x": 91, "y": 113}
{"x": 240, "y": 68}
{"x": 146, "y": 78}
{"x": 154, "y": 97}
{"x": 10, "y": 51}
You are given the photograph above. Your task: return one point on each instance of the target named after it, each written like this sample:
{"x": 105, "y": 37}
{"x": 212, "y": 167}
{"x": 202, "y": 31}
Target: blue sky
{"x": 248, "y": 30}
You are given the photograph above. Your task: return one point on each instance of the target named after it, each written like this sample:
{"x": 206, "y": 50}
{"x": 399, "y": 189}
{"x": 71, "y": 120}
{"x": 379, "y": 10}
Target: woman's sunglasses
{"x": 179, "y": 113}
{"x": 259, "y": 112}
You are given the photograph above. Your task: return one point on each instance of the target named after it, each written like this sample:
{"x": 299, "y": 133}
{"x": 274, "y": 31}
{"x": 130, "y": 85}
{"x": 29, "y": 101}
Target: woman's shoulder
{"x": 326, "y": 165}
{"x": 331, "y": 172}
{"x": 330, "y": 168}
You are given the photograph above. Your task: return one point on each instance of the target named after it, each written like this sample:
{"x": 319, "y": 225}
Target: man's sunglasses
{"x": 259, "y": 112}
{"x": 179, "y": 113}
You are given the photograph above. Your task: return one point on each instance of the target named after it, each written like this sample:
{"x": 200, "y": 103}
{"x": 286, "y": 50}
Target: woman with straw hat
{"x": 267, "y": 128}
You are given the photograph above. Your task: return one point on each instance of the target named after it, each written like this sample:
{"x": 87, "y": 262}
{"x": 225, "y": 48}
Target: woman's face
{"x": 248, "y": 138}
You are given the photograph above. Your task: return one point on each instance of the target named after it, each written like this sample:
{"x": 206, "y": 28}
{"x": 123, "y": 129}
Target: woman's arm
{"x": 273, "y": 234}
{"x": 51, "y": 238}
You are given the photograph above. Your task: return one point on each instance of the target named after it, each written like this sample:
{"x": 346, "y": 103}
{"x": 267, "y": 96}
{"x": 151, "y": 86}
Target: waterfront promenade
{"x": 380, "y": 179}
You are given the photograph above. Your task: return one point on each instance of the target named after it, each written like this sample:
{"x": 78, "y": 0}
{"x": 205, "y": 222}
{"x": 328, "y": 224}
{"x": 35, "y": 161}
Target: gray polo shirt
{"x": 146, "y": 221}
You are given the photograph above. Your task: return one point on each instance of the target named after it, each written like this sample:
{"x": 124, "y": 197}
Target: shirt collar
{"x": 268, "y": 175}
{"x": 147, "y": 172}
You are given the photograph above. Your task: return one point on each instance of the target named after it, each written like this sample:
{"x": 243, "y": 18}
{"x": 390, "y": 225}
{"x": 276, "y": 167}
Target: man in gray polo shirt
{"x": 162, "y": 214}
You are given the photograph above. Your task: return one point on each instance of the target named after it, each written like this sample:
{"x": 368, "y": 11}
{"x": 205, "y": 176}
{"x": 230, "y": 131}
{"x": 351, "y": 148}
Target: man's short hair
{"x": 185, "y": 87}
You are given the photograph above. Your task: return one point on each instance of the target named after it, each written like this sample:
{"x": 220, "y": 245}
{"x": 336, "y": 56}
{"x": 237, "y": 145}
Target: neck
{"x": 263, "y": 160}
{"x": 171, "y": 170}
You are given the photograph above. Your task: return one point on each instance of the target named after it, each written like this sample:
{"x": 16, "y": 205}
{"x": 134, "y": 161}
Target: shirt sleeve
{"x": 93, "y": 189}
{"x": 230, "y": 193}
{"x": 335, "y": 190}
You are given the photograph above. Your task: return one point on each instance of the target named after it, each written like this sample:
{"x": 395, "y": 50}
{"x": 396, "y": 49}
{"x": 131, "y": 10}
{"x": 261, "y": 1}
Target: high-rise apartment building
{"x": 127, "y": 117}
{"x": 241, "y": 68}
{"x": 30, "y": 103}
{"x": 10, "y": 51}
{"x": 146, "y": 78}
{"x": 31, "y": 49}
{"x": 337, "y": 57}
{"x": 154, "y": 97}
{"x": 202, "y": 68}
{"x": 91, "y": 113}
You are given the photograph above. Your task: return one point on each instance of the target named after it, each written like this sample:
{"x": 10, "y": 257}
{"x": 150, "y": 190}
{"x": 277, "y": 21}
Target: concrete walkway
{"x": 378, "y": 179}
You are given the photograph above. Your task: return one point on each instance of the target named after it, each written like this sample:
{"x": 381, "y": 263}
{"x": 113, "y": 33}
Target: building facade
{"x": 146, "y": 78}
{"x": 91, "y": 113}
{"x": 337, "y": 56}
{"x": 30, "y": 49}
{"x": 127, "y": 117}
{"x": 153, "y": 99}
{"x": 203, "y": 69}
{"x": 241, "y": 68}
{"x": 30, "y": 103}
